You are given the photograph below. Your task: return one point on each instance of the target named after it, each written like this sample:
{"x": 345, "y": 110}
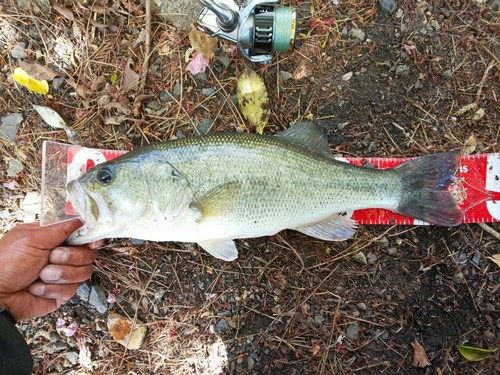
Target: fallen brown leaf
{"x": 302, "y": 71}
{"x": 38, "y": 71}
{"x": 130, "y": 78}
{"x": 420, "y": 358}
{"x": 202, "y": 43}
{"x": 470, "y": 145}
{"x": 65, "y": 12}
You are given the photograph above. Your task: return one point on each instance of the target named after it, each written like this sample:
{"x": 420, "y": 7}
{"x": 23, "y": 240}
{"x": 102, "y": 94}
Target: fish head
{"x": 121, "y": 194}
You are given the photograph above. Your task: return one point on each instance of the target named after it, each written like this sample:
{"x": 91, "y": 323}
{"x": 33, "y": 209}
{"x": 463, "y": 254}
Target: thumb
{"x": 55, "y": 234}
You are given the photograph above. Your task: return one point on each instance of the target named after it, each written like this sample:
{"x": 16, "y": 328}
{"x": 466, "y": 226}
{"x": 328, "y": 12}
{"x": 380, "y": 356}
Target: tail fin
{"x": 425, "y": 194}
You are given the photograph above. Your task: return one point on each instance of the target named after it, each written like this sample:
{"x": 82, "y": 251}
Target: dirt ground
{"x": 424, "y": 79}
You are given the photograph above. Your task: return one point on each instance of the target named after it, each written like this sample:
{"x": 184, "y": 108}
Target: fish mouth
{"x": 89, "y": 205}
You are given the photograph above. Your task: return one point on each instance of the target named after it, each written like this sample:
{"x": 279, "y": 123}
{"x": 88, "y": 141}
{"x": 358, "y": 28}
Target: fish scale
{"x": 280, "y": 180}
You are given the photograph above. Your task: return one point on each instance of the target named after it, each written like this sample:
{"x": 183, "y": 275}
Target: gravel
{"x": 8, "y": 127}
{"x": 388, "y": 6}
{"x": 18, "y": 52}
{"x": 352, "y": 332}
{"x": 98, "y": 299}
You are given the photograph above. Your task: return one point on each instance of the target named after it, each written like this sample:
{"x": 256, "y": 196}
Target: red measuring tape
{"x": 476, "y": 186}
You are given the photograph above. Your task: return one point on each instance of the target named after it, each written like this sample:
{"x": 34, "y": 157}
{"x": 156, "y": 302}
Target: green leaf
{"x": 114, "y": 77}
{"x": 471, "y": 353}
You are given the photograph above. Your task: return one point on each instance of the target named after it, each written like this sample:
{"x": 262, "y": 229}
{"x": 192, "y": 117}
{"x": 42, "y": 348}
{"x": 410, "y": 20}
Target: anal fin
{"x": 224, "y": 248}
{"x": 333, "y": 228}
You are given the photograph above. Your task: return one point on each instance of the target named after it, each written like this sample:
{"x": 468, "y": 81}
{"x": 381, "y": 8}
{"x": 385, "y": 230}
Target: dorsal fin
{"x": 307, "y": 134}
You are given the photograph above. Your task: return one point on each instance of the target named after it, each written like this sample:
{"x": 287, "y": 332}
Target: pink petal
{"x": 11, "y": 185}
{"x": 111, "y": 298}
{"x": 198, "y": 64}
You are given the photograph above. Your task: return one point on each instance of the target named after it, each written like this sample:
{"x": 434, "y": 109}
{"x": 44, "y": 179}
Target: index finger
{"x": 55, "y": 234}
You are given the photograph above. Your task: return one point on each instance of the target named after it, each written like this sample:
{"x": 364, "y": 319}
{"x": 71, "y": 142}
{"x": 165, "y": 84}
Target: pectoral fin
{"x": 219, "y": 201}
{"x": 334, "y": 228}
{"x": 224, "y": 249}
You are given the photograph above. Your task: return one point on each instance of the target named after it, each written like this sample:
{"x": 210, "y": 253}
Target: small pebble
{"x": 98, "y": 299}
{"x": 373, "y": 146}
{"x": 83, "y": 291}
{"x": 208, "y": 91}
{"x": 357, "y": 34}
{"x": 165, "y": 96}
{"x": 476, "y": 258}
{"x": 360, "y": 258}
{"x": 352, "y": 331}
{"x": 224, "y": 59}
{"x": 177, "y": 89}
{"x": 319, "y": 319}
{"x": 14, "y": 168}
{"x": 18, "y": 52}
{"x": 285, "y": 76}
{"x": 221, "y": 326}
{"x": 204, "y": 126}
{"x": 60, "y": 346}
{"x": 155, "y": 104}
{"x": 388, "y": 6}
{"x": 402, "y": 71}
{"x": 250, "y": 363}
{"x": 72, "y": 357}
{"x": 8, "y": 127}
{"x": 418, "y": 84}
{"x": 361, "y": 306}
{"x": 393, "y": 251}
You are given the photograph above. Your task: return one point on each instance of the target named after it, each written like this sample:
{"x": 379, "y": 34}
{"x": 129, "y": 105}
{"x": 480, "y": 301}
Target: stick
{"x": 490, "y": 230}
{"x": 145, "y": 65}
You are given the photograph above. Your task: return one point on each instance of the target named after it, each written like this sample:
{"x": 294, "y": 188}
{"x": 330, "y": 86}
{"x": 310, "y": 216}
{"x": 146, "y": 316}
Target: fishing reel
{"x": 258, "y": 27}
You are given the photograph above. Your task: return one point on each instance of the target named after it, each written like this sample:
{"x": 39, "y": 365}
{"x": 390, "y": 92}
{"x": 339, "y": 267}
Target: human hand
{"x": 37, "y": 272}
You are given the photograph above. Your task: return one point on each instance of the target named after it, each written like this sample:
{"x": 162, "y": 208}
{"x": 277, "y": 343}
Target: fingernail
{"x": 37, "y": 289}
{"x": 95, "y": 245}
{"x": 50, "y": 273}
{"x": 59, "y": 255}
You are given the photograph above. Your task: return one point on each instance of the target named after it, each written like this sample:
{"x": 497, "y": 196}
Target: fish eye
{"x": 104, "y": 176}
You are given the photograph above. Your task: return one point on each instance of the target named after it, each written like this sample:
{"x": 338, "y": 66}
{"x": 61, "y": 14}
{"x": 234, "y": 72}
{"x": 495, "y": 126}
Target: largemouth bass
{"x": 215, "y": 188}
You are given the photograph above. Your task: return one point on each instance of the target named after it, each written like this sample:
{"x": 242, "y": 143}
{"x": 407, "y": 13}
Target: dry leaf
{"x": 98, "y": 83}
{"x": 65, "y": 12}
{"x": 202, "y": 43}
{"x": 302, "y": 71}
{"x": 347, "y": 76}
{"x": 81, "y": 90}
{"x": 479, "y": 114}
{"x": 470, "y": 145}
{"x": 38, "y": 71}
{"x": 420, "y": 358}
{"x": 252, "y": 98}
{"x": 50, "y": 116}
{"x": 126, "y": 332}
{"x": 120, "y": 329}
{"x": 495, "y": 258}
{"x": 32, "y": 84}
{"x": 316, "y": 350}
{"x": 98, "y": 24}
{"x": 130, "y": 78}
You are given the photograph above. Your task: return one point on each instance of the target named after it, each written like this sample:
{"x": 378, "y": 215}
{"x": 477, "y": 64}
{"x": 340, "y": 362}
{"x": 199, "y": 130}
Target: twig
{"x": 481, "y": 84}
{"x": 490, "y": 230}
{"x": 145, "y": 65}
